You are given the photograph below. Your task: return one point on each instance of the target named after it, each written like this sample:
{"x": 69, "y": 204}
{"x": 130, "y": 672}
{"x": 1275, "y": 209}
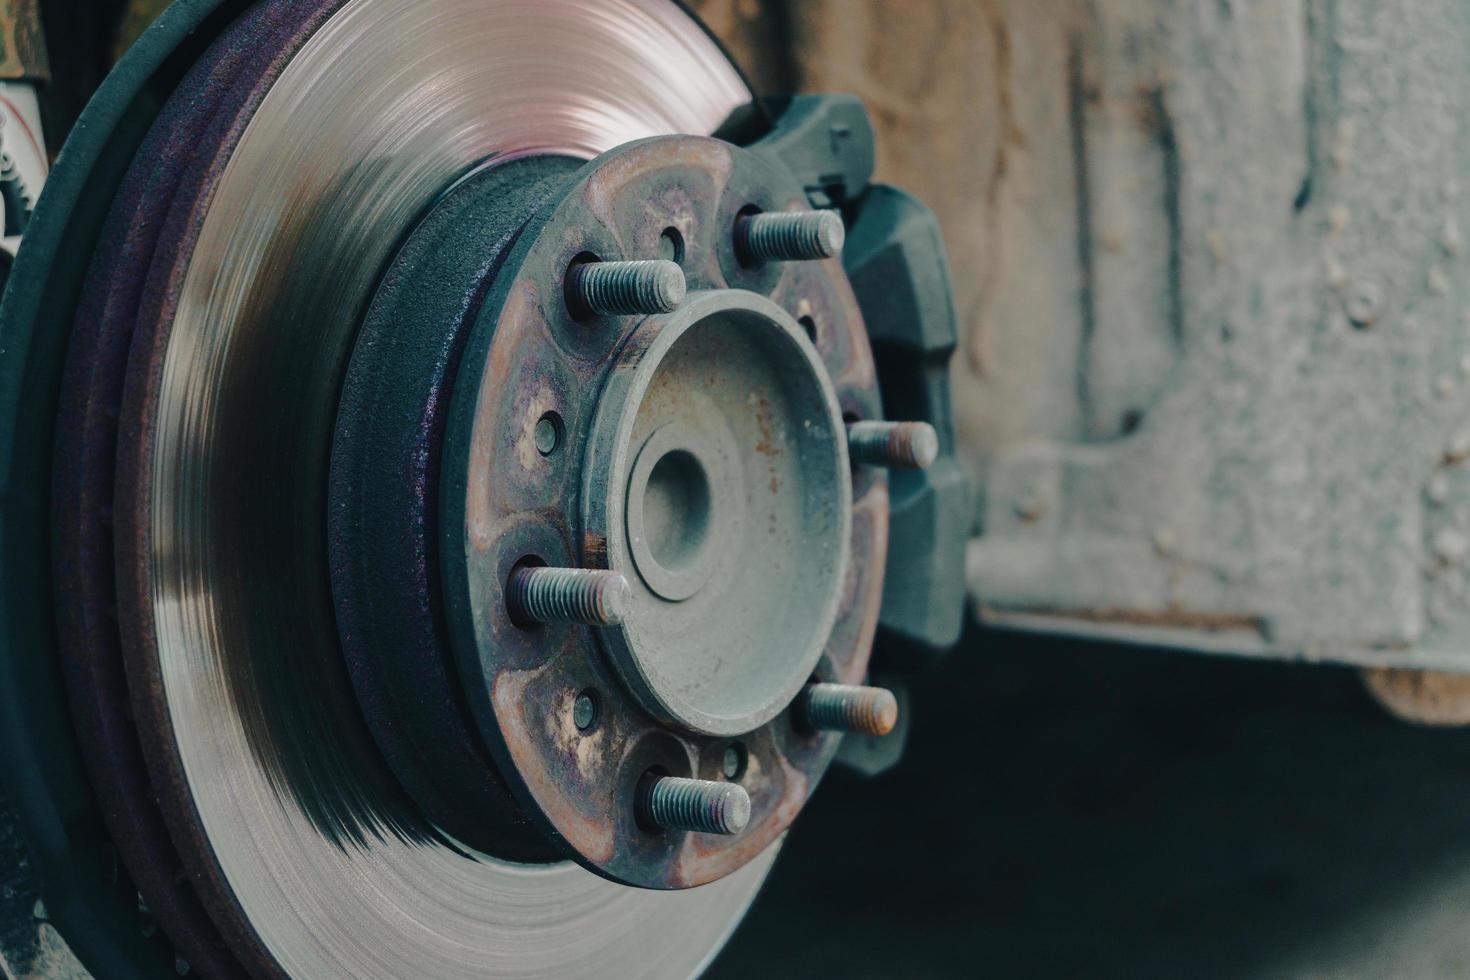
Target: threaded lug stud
{"x": 698, "y": 806}
{"x": 789, "y": 236}
{"x": 567, "y": 595}
{"x": 625, "y": 288}
{"x": 849, "y": 708}
{"x": 898, "y": 445}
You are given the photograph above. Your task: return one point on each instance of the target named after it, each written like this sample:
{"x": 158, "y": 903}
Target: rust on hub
{"x": 578, "y": 717}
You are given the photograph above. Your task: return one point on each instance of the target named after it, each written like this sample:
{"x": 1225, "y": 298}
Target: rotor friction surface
{"x": 305, "y": 848}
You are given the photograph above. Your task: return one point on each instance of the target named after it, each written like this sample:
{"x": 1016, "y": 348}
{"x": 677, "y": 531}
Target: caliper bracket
{"x": 896, "y": 261}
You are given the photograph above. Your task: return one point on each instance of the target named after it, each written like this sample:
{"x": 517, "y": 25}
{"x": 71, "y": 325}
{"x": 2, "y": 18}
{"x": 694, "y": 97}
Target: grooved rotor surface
{"x": 309, "y": 855}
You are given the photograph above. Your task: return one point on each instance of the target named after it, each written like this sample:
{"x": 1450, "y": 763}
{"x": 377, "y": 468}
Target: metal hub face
{"x": 718, "y": 476}
{"x": 699, "y": 452}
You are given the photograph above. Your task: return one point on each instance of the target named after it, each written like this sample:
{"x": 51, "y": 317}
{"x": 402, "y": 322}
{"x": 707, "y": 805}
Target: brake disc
{"x": 470, "y": 498}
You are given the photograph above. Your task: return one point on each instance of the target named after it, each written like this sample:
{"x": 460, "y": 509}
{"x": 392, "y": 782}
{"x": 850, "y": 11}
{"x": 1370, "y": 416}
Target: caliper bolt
{"x": 789, "y": 236}
{"x": 699, "y": 806}
{"x": 900, "y": 445}
{"x": 568, "y": 595}
{"x": 625, "y": 288}
{"x": 849, "y": 708}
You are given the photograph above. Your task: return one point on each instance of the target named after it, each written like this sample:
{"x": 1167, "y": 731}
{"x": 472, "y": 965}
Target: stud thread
{"x": 849, "y": 708}
{"x": 697, "y": 806}
{"x": 897, "y": 445}
{"x": 626, "y": 288}
{"x": 790, "y": 236}
{"x": 568, "y": 595}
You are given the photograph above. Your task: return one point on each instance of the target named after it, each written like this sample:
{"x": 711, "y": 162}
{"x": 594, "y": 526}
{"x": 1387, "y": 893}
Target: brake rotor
{"x": 286, "y": 171}
{"x": 469, "y": 504}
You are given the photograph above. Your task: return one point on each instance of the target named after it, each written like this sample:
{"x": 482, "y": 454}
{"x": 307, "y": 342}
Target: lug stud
{"x": 849, "y": 708}
{"x": 625, "y": 288}
{"x": 789, "y": 236}
{"x": 568, "y": 595}
{"x": 898, "y": 445}
{"x": 696, "y": 805}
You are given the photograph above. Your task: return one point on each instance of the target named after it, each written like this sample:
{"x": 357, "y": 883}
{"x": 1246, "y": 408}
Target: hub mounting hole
{"x": 585, "y": 710}
{"x": 671, "y": 245}
{"x": 733, "y": 762}
{"x": 549, "y": 434}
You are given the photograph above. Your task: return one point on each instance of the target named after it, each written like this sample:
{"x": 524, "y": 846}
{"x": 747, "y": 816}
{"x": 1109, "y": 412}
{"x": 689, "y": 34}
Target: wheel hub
{"x": 695, "y": 457}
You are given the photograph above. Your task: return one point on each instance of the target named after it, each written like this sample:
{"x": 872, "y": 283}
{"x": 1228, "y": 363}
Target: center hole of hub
{"x": 676, "y": 510}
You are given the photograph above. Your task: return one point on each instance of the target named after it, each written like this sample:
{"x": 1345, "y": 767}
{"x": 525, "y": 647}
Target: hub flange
{"x": 700, "y": 453}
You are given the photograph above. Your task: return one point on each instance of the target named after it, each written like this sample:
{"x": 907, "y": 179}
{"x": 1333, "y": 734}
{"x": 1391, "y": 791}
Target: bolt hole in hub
{"x": 549, "y": 433}
{"x": 810, "y": 326}
{"x": 671, "y": 245}
{"x": 732, "y": 763}
{"x": 584, "y": 712}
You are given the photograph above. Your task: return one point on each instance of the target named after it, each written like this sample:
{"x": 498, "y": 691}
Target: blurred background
{"x": 1076, "y": 810}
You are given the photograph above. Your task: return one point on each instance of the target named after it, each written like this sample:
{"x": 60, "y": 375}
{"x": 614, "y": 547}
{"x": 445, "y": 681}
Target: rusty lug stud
{"x": 698, "y": 806}
{"x": 568, "y": 595}
{"x": 626, "y": 288}
{"x": 790, "y": 236}
{"x": 898, "y": 445}
{"x": 849, "y": 708}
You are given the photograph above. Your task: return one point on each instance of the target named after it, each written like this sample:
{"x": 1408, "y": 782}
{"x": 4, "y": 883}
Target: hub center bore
{"x": 682, "y": 507}
{"x": 675, "y": 512}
